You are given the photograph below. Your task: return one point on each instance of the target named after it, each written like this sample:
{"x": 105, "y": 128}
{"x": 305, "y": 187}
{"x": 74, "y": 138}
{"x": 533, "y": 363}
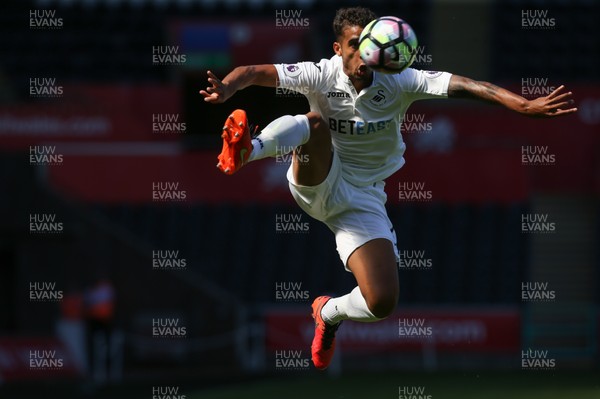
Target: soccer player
{"x": 350, "y": 142}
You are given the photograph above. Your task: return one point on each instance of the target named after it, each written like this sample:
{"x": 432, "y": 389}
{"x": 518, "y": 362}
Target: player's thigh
{"x": 312, "y": 160}
{"x": 374, "y": 267}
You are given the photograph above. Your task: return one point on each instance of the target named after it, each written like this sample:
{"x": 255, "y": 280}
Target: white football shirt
{"x": 365, "y": 126}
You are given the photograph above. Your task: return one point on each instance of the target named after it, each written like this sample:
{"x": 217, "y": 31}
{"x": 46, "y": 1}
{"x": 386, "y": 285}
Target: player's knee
{"x": 382, "y": 305}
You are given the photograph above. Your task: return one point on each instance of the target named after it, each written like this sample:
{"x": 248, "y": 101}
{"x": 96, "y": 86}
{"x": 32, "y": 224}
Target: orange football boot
{"x": 323, "y": 344}
{"x": 237, "y": 143}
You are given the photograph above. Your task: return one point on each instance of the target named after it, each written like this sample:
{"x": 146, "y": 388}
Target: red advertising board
{"x": 458, "y": 177}
{"x": 463, "y": 153}
{"x": 34, "y": 358}
{"x": 480, "y": 330}
{"x": 571, "y": 142}
{"x": 89, "y": 113}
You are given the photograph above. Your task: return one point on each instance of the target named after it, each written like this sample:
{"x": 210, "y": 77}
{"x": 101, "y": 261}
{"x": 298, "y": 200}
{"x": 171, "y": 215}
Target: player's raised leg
{"x": 236, "y": 142}
{"x": 317, "y": 150}
{"x": 277, "y": 138}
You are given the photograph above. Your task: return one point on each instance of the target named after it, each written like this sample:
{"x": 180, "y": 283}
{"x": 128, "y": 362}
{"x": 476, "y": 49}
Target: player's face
{"x": 347, "y": 48}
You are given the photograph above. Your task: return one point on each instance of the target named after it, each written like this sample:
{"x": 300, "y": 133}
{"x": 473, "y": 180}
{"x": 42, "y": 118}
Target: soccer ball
{"x": 388, "y": 45}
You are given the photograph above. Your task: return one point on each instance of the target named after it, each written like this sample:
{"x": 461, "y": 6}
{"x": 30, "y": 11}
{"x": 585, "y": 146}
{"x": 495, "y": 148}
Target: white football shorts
{"x": 356, "y": 215}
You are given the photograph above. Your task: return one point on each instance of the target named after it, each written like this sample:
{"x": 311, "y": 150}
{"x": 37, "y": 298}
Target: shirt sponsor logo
{"x": 345, "y": 126}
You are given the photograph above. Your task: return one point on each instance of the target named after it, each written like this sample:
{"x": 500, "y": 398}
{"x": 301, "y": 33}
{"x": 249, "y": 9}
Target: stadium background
{"x": 110, "y": 88}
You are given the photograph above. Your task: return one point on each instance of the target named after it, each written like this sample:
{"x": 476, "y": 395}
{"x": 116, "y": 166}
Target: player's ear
{"x": 337, "y": 48}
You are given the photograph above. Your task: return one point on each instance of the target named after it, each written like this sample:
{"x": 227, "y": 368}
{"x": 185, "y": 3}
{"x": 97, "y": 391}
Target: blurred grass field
{"x": 448, "y": 385}
{"x": 435, "y": 385}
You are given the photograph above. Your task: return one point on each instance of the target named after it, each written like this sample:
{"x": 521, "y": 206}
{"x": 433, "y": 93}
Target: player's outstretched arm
{"x": 554, "y": 104}
{"x": 240, "y": 78}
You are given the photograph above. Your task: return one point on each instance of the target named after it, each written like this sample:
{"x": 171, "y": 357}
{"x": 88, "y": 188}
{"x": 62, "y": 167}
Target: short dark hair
{"x": 351, "y": 16}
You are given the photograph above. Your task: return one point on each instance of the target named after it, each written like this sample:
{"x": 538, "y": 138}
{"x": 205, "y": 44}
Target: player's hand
{"x": 556, "y": 103}
{"x": 218, "y": 91}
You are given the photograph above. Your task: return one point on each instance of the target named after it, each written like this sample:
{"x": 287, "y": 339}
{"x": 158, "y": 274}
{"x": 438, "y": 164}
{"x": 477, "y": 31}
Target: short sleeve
{"x": 302, "y": 77}
{"x": 419, "y": 85}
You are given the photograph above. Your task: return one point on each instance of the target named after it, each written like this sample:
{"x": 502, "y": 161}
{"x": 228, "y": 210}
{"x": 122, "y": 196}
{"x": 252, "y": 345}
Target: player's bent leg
{"x": 375, "y": 269}
{"x": 374, "y": 266}
{"x": 312, "y": 160}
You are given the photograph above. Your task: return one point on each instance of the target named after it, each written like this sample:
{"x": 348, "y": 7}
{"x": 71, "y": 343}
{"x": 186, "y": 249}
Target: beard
{"x": 360, "y": 73}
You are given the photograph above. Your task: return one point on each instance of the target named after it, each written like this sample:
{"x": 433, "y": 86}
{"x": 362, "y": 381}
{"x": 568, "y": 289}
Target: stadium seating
{"x": 110, "y": 41}
{"x": 82, "y": 51}
{"x": 478, "y": 255}
{"x": 534, "y": 51}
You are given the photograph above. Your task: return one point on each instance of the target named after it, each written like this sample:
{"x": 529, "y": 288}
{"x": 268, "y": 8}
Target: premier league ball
{"x": 388, "y": 45}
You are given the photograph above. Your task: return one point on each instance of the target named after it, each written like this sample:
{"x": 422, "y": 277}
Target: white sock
{"x": 280, "y": 137}
{"x": 350, "y": 306}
